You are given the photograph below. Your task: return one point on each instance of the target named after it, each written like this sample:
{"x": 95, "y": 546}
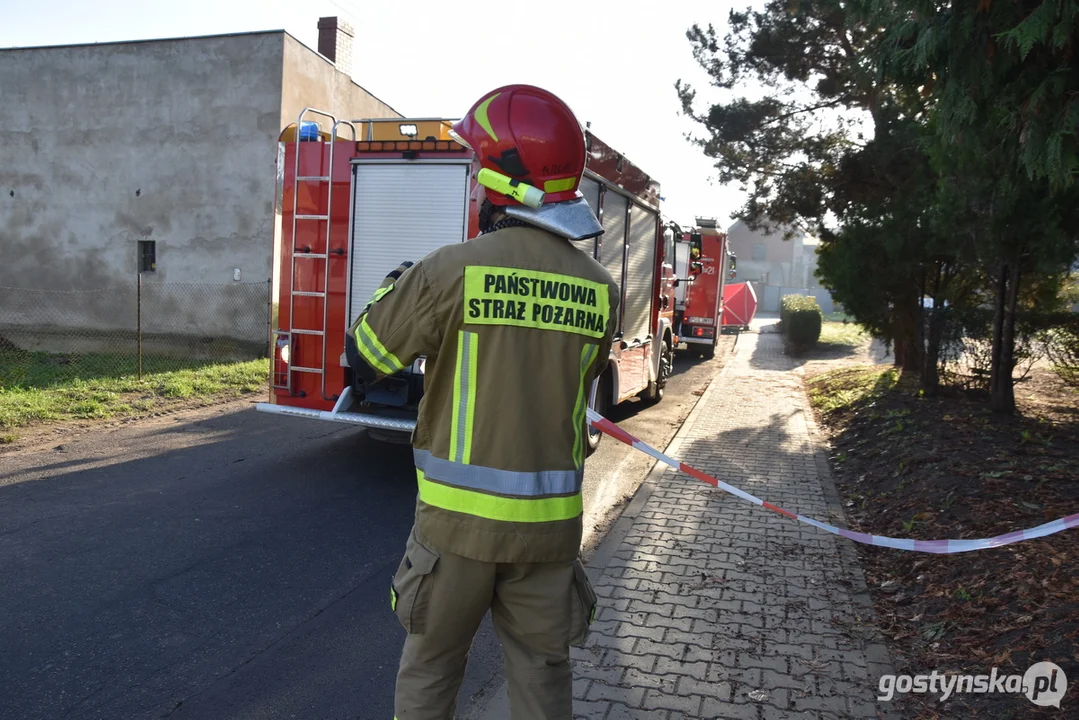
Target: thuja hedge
{"x": 800, "y": 318}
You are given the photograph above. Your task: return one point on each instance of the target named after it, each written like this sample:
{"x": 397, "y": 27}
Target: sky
{"x": 614, "y": 61}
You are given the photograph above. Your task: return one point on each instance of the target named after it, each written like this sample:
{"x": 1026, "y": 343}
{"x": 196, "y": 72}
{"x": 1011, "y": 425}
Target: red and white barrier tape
{"x": 938, "y": 547}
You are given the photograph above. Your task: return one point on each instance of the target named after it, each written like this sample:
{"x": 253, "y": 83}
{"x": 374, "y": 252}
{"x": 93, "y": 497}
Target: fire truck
{"x": 708, "y": 264}
{"x": 357, "y": 198}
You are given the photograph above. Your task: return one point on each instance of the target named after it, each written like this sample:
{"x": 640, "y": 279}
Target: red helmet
{"x": 528, "y": 135}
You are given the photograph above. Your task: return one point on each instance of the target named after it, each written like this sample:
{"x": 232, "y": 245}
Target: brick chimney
{"x": 335, "y": 42}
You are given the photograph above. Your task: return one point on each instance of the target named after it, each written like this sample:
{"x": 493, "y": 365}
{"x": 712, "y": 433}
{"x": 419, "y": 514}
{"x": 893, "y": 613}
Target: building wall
{"x": 782, "y": 263}
{"x": 310, "y": 80}
{"x": 105, "y": 145}
{"x": 174, "y": 141}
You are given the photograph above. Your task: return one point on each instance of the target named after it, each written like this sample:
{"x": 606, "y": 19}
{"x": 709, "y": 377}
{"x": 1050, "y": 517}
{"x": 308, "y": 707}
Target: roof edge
{"x": 143, "y": 41}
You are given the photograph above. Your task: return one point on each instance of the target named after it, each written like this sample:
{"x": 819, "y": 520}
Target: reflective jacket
{"x": 515, "y": 325}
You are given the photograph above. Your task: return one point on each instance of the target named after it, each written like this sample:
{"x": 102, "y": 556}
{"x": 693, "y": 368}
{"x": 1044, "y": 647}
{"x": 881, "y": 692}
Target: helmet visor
{"x": 458, "y": 139}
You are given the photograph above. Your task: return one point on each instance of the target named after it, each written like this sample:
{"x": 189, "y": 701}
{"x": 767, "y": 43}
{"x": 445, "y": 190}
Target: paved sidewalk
{"x": 713, "y": 608}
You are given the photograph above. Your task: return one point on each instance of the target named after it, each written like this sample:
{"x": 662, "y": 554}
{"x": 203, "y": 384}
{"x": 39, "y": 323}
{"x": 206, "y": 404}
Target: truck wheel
{"x": 709, "y": 352}
{"x": 654, "y": 393}
{"x": 602, "y": 406}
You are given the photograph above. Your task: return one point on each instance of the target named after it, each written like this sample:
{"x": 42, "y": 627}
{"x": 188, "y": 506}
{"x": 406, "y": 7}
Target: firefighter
{"x": 515, "y": 325}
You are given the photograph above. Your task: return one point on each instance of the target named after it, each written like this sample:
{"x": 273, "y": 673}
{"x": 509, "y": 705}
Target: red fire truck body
{"x": 351, "y": 210}
{"x": 700, "y": 318}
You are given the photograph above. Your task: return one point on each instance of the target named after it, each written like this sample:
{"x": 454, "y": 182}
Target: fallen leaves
{"x": 965, "y": 473}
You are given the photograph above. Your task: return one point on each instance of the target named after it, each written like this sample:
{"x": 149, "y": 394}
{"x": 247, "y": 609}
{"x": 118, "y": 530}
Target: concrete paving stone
{"x": 701, "y": 639}
{"x": 691, "y": 686}
{"x": 646, "y": 607}
{"x": 784, "y": 679}
{"x": 650, "y": 576}
{"x": 833, "y": 704}
{"x": 635, "y": 678}
{"x": 856, "y": 673}
{"x": 679, "y": 651}
{"x": 713, "y": 709}
{"x": 669, "y": 666}
{"x": 630, "y": 696}
{"x": 702, "y": 614}
{"x": 777, "y": 697}
{"x": 864, "y": 707}
{"x": 612, "y": 642}
{"x": 585, "y": 710}
{"x": 610, "y": 581}
{"x": 654, "y": 587}
{"x": 658, "y": 619}
{"x": 617, "y": 658}
{"x": 772, "y": 713}
{"x": 687, "y": 704}
{"x": 607, "y": 627}
{"x": 618, "y": 711}
{"x": 747, "y": 677}
{"x": 627, "y": 629}
{"x": 611, "y": 676}
{"x": 765, "y": 662}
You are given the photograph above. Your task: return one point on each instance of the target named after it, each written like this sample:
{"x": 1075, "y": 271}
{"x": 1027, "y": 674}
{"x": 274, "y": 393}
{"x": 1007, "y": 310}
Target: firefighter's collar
{"x": 572, "y": 219}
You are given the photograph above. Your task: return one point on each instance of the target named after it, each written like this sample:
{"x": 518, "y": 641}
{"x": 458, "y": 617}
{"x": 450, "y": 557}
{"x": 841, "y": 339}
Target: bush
{"x": 800, "y": 318}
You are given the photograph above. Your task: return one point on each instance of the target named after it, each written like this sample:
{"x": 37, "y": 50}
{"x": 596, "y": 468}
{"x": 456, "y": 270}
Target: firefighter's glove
{"x": 363, "y": 375}
{"x": 357, "y": 363}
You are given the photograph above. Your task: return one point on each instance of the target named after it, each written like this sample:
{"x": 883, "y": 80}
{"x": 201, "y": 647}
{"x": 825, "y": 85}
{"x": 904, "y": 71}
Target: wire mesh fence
{"x": 50, "y": 337}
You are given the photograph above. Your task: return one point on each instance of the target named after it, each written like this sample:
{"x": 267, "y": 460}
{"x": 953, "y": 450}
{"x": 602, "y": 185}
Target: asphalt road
{"x": 225, "y": 563}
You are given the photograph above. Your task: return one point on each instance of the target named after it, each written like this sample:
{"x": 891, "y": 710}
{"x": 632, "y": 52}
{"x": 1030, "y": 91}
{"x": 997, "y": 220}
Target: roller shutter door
{"x": 640, "y": 269}
{"x": 402, "y": 212}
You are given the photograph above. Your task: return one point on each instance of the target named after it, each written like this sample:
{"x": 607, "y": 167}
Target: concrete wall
{"x": 105, "y": 145}
{"x": 174, "y": 141}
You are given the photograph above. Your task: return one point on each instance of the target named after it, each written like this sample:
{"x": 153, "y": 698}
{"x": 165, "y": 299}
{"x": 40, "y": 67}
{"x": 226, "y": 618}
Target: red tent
{"x": 739, "y": 305}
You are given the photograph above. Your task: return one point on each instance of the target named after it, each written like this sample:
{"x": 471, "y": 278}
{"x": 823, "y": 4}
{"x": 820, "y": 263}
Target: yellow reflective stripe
{"x": 588, "y": 354}
{"x": 560, "y": 185}
{"x": 494, "y": 507}
{"x": 380, "y": 292}
{"x": 464, "y": 397}
{"x": 535, "y": 299}
{"x": 393, "y": 598}
{"x": 483, "y": 120}
{"x": 376, "y": 355}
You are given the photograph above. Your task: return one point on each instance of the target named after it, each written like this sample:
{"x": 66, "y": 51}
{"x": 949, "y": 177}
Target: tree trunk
{"x": 908, "y": 356}
{"x": 1003, "y": 400}
{"x": 998, "y": 328}
{"x": 931, "y": 342}
{"x": 931, "y": 362}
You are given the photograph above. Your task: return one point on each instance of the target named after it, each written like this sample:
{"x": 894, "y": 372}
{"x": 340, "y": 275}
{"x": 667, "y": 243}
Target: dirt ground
{"x": 51, "y": 432}
{"x": 947, "y": 467}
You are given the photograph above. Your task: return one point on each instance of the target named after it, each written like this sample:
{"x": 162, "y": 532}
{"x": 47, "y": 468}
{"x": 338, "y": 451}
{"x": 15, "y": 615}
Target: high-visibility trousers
{"x": 539, "y": 610}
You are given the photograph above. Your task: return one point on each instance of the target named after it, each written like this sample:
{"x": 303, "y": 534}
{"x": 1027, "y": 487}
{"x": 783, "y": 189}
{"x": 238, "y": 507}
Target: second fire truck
{"x": 708, "y": 265}
{"x": 360, "y": 197}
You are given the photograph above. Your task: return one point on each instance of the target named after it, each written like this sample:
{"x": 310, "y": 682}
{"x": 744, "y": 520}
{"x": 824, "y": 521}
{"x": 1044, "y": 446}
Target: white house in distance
{"x": 777, "y": 267}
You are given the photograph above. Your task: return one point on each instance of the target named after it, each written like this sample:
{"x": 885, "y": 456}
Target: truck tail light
{"x": 282, "y": 355}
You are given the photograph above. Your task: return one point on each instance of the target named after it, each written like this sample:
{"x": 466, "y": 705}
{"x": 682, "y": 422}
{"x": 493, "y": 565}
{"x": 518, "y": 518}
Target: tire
{"x": 709, "y": 352}
{"x": 602, "y": 406}
{"x": 654, "y": 393}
